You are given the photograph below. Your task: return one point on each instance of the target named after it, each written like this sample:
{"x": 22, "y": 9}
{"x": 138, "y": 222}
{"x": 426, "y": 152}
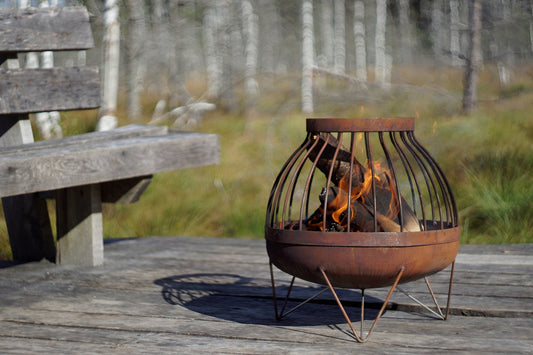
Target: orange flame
{"x": 361, "y": 193}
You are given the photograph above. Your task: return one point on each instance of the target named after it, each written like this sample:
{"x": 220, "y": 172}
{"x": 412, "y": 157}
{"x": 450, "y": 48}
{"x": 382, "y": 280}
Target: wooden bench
{"x": 80, "y": 172}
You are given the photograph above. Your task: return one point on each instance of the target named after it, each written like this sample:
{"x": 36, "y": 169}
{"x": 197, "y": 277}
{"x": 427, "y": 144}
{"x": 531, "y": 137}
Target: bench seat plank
{"x": 54, "y": 89}
{"x": 60, "y": 166}
{"x": 39, "y": 29}
{"x": 129, "y": 131}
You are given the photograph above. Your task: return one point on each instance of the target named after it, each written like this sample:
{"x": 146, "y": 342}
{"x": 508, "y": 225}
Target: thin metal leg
{"x": 449, "y": 291}
{"x": 282, "y": 313}
{"x": 358, "y": 337}
{"x": 433, "y": 297}
{"x": 436, "y": 314}
{"x": 439, "y": 314}
{"x": 362, "y": 309}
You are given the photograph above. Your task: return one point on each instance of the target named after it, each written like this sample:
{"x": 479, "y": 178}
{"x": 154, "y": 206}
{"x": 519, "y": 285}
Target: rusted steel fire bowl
{"x": 361, "y": 203}
{"x": 362, "y": 260}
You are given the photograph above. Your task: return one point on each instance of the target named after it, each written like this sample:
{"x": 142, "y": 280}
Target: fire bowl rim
{"x": 363, "y": 239}
{"x": 374, "y": 124}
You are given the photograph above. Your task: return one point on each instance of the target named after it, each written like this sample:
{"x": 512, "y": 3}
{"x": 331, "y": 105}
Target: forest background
{"x": 251, "y": 71}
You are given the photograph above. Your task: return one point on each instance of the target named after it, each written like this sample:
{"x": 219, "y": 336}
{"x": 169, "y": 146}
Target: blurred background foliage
{"x": 487, "y": 154}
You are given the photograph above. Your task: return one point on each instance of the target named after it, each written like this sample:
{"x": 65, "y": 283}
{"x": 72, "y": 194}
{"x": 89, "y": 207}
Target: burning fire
{"x": 350, "y": 204}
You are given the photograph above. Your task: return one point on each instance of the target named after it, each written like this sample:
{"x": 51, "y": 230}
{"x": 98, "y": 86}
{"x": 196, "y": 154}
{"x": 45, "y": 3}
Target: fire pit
{"x": 361, "y": 204}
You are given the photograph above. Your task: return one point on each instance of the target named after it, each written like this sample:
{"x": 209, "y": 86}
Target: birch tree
{"x": 437, "y": 26}
{"x": 381, "y": 24}
{"x": 107, "y": 115}
{"x": 270, "y": 36}
{"x": 250, "y": 28}
{"x": 340, "y": 36}
{"x": 32, "y": 58}
{"x": 455, "y": 39}
{"x": 406, "y": 35}
{"x": 230, "y": 48}
{"x": 531, "y": 25}
{"x": 212, "y": 57}
{"x": 474, "y": 58}
{"x": 47, "y": 122}
{"x": 180, "y": 49}
{"x": 307, "y": 56}
{"x": 162, "y": 44}
{"x": 136, "y": 65}
{"x": 506, "y": 60}
{"x": 327, "y": 34}
{"x": 359, "y": 38}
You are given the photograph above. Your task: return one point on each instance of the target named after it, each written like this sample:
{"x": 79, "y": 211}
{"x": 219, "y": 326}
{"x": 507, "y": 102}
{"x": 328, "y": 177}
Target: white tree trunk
{"x": 136, "y": 70}
{"x": 160, "y": 47}
{"x": 230, "y": 44}
{"x": 340, "y": 36}
{"x": 212, "y": 57}
{"x": 381, "y": 24}
{"x": 406, "y": 33}
{"x": 111, "y": 41}
{"x": 387, "y": 72}
{"x": 360, "y": 38}
{"x": 307, "y": 56}
{"x": 437, "y": 26}
{"x": 531, "y": 34}
{"x": 47, "y": 122}
{"x": 474, "y": 61}
{"x": 531, "y": 26}
{"x": 250, "y": 29}
{"x": 270, "y": 32}
{"x": 328, "y": 35}
{"x": 32, "y": 58}
{"x": 455, "y": 39}
{"x": 181, "y": 43}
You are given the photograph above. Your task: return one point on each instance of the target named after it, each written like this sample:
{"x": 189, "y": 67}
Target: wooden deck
{"x": 206, "y": 295}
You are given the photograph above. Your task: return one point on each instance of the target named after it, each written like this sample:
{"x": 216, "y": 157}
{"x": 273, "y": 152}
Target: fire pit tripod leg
{"x": 358, "y": 337}
{"x": 438, "y": 313}
{"x": 282, "y": 313}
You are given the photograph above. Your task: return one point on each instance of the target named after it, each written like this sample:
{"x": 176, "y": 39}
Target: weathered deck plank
{"x": 208, "y": 295}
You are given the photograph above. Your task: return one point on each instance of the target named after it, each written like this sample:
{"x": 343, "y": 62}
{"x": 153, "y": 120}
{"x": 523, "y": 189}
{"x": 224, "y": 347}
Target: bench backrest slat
{"x": 49, "y": 29}
{"x": 26, "y": 90}
{"x": 55, "y": 89}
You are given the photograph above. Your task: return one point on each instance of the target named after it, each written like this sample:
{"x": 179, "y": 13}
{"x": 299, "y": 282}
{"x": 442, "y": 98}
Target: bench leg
{"x": 79, "y": 226}
{"x": 28, "y": 225}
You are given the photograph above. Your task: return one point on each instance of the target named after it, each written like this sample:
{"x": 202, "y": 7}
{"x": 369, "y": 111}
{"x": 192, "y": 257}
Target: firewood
{"x": 342, "y": 162}
{"x": 387, "y": 203}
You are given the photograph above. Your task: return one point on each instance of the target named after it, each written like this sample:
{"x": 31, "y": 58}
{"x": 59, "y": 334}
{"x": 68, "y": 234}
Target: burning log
{"x": 389, "y": 207}
{"x": 341, "y": 165}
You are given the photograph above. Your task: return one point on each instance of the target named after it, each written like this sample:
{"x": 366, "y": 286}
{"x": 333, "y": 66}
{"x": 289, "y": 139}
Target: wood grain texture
{"x": 39, "y": 29}
{"x": 59, "y": 166}
{"x": 129, "y": 131}
{"x": 79, "y": 226}
{"x": 212, "y": 295}
{"x": 54, "y": 89}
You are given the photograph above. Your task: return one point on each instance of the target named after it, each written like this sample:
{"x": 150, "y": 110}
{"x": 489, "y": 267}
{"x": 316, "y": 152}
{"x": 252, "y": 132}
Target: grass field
{"x": 487, "y": 156}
